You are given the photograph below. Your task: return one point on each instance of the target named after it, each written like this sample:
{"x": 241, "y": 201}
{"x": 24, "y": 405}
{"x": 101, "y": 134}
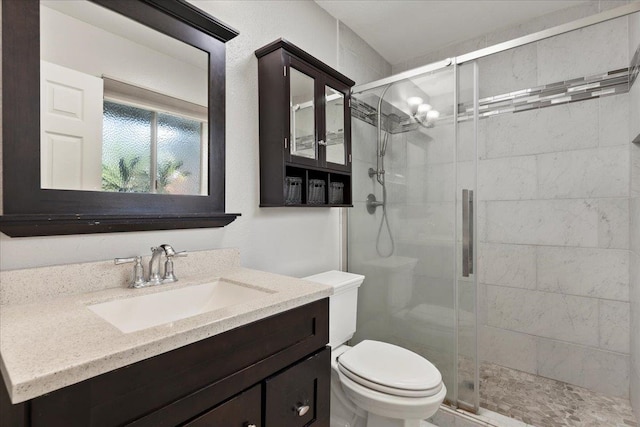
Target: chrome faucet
{"x": 155, "y": 278}
{"x": 154, "y": 265}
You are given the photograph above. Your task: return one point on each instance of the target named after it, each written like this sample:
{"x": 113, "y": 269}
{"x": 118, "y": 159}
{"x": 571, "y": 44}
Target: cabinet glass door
{"x": 334, "y": 117}
{"x": 302, "y": 115}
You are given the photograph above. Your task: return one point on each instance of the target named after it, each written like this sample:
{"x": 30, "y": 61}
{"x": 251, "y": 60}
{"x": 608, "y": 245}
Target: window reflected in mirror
{"x": 124, "y": 108}
{"x": 147, "y": 151}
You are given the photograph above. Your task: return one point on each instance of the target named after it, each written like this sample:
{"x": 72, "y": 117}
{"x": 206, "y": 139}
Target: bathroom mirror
{"x": 113, "y": 116}
{"x": 109, "y": 120}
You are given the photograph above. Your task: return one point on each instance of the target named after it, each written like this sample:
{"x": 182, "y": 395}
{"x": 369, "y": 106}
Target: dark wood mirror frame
{"x": 29, "y": 210}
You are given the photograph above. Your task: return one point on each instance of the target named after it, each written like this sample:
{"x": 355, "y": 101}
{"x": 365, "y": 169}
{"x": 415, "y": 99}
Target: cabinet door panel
{"x": 304, "y": 123}
{"x": 299, "y": 396}
{"x": 334, "y": 118}
{"x": 243, "y": 410}
{"x": 337, "y": 121}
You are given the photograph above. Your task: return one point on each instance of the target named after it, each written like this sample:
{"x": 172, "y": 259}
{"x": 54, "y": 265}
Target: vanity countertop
{"x": 47, "y": 345}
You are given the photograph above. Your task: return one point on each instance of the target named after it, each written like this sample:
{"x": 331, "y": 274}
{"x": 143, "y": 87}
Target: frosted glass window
{"x": 126, "y": 148}
{"x": 179, "y": 153}
{"x": 146, "y": 151}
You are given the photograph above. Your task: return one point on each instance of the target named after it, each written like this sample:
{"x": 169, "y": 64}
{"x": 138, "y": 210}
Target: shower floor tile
{"x": 544, "y": 402}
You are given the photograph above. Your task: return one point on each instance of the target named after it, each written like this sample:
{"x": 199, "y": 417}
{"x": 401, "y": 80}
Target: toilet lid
{"x": 390, "y": 369}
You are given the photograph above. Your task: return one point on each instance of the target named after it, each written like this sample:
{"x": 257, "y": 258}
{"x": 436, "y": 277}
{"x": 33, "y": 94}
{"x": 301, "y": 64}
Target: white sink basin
{"x": 141, "y": 312}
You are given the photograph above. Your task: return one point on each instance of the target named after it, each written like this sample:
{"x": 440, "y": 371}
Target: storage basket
{"x": 316, "y": 193}
{"x": 336, "y": 193}
{"x": 292, "y": 190}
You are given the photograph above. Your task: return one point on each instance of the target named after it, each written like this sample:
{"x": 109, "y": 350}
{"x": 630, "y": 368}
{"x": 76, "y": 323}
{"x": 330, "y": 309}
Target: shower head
{"x": 393, "y": 122}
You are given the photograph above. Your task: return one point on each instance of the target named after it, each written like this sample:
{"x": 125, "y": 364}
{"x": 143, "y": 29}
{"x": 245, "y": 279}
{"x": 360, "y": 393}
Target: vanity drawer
{"x": 289, "y": 393}
{"x": 243, "y": 410}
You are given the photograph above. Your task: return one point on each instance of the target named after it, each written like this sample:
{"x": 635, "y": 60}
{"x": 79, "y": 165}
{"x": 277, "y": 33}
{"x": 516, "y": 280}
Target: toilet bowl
{"x": 374, "y": 384}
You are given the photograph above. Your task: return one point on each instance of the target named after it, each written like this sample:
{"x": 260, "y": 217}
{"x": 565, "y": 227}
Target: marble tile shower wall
{"x": 553, "y": 187}
{"x": 634, "y": 253}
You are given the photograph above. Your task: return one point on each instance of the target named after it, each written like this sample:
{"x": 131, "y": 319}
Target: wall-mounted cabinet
{"x": 305, "y": 129}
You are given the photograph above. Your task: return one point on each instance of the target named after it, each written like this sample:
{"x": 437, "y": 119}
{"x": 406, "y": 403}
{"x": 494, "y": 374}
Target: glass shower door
{"x": 405, "y": 230}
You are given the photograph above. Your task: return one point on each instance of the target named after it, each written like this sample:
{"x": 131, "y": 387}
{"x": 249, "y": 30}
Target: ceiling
{"x": 404, "y": 29}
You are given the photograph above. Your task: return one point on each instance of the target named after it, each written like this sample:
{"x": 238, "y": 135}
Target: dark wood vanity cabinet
{"x": 305, "y": 129}
{"x": 271, "y": 373}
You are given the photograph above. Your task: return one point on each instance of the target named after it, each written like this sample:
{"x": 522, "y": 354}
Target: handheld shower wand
{"x": 372, "y": 203}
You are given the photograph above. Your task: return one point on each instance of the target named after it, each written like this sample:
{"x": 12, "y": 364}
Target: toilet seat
{"x": 388, "y": 405}
{"x": 390, "y": 369}
{"x": 386, "y": 389}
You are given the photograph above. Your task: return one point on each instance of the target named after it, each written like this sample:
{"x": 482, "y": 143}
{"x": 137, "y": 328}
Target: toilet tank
{"x": 343, "y": 303}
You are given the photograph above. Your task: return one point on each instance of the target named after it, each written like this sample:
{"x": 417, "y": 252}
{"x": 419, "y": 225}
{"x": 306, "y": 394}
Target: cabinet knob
{"x": 301, "y": 410}
{"x": 250, "y": 425}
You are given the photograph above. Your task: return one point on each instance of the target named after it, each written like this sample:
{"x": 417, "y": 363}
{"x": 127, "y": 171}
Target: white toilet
{"x": 374, "y": 384}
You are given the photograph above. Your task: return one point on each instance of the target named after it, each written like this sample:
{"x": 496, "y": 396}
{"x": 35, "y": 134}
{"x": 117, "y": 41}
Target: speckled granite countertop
{"x": 50, "y": 344}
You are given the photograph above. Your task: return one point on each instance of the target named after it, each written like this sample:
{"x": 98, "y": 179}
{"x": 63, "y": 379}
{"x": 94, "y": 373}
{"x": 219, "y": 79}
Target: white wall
{"x": 292, "y": 241}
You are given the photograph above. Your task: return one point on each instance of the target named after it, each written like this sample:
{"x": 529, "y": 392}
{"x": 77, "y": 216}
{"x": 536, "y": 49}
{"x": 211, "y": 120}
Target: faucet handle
{"x": 138, "y": 270}
{"x": 169, "y": 275}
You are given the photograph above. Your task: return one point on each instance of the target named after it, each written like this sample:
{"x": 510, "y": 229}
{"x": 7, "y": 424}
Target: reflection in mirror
{"x": 110, "y": 121}
{"x": 303, "y": 142}
{"x": 334, "y": 104}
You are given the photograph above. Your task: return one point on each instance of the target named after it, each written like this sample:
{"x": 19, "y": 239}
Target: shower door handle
{"x": 467, "y": 233}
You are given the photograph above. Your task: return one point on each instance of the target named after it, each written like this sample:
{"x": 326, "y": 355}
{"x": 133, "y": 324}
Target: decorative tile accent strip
{"x": 579, "y": 89}
{"x": 611, "y": 83}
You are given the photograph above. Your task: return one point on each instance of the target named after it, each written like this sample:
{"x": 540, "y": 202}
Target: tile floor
{"x": 543, "y": 402}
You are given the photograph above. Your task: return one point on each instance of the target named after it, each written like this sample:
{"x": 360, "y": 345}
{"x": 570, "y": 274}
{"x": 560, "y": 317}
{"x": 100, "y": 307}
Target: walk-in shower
{"x": 499, "y": 250}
